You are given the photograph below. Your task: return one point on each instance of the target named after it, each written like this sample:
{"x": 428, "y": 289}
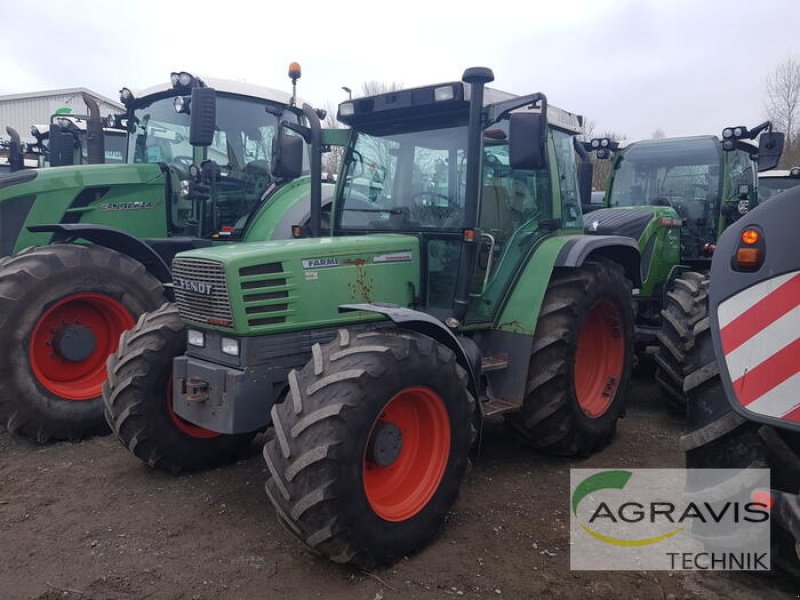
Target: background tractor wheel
{"x": 581, "y": 362}
{"x": 63, "y": 308}
{"x": 719, "y": 438}
{"x": 138, "y": 400}
{"x": 684, "y": 312}
{"x": 371, "y": 445}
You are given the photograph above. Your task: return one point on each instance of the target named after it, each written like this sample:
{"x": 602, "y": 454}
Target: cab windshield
{"x": 242, "y": 148}
{"x": 408, "y": 181}
{"x": 243, "y": 138}
{"x": 771, "y": 186}
{"x": 682, "y": 173}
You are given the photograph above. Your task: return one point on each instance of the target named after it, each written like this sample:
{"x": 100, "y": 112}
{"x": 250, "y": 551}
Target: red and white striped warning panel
{"x": 760, "y": 335}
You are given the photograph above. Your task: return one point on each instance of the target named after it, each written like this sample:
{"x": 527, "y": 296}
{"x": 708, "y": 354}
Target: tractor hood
{"x": 269, "y": 287}
{"x": 630, "y": 222}
{"x": 101, "y": 194}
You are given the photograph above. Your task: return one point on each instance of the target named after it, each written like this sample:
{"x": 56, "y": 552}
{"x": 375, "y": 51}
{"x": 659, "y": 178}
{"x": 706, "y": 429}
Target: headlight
{"x": 180, "y": 104}
{"x": 184, "y": 188}
{"x": 230, "y": 346}
{"x": 185, "y": 79}
{"x": 35, "y": 131}
{"x": 738, "y": 132}
{"x": 441, "y": 94}
{"x": 125, "y": 95}
{"x": 346, "y": 109}
{"x": 727, "y": 132}
{"x": 173, "y": 79}
{"x": 595, "y": 143}
{"x": 196, "y": 338}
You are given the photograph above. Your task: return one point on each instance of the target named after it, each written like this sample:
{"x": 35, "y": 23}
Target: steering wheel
{"x": 661, "y": 201}
{"x": 184, "y": 161}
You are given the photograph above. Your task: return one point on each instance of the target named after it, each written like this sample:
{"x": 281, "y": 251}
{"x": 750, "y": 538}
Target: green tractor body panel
{"x": 127, "y": 197}
{"x": 520, "y": 311}
{"x": 268, "y": 222}
{"x": 283, "y": 286}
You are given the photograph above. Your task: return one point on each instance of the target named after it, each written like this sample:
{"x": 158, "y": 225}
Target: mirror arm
{"x": 315, "y": 133}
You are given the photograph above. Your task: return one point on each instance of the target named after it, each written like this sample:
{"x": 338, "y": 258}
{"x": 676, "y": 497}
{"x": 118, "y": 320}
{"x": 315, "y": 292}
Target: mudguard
{"x": 425, "y": 324}
{"x": 755, "y": 316}
{"x": 112, "y": 238}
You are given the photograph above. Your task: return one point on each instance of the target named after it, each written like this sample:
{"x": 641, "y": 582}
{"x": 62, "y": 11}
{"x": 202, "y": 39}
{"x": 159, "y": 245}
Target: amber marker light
{"x": 751, "y": 237}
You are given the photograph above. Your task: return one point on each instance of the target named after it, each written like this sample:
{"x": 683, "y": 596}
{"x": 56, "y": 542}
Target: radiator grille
{"x": 263, "y": 304}
{"x": 201, "y": 291}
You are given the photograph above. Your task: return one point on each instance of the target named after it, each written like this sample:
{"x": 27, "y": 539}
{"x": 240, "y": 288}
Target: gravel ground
{"x": 89, "y": 520}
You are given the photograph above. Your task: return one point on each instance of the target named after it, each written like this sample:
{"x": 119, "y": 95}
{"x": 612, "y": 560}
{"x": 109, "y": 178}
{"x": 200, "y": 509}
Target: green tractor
{"x": 85, "y": 249}
{"x": 676, "y": 196}
{"x": 456, "y": 284}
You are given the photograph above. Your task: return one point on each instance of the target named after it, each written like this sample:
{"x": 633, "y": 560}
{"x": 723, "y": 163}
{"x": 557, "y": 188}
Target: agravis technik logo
{"x": 669, "y": 519}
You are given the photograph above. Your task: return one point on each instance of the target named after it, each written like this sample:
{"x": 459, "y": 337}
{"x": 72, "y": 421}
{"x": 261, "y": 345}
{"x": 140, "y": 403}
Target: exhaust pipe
{"x": 95, "y": 138}
{"x": 16, "y": 156}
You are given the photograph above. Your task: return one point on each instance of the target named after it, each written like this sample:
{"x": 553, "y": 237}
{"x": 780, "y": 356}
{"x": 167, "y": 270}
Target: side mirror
{"x": 287, "y": 155}
{"x": 770, "y": 149}
{"x": 526, "y": 141}
{"x": 61, "y": 147}
{"x": 204, "y": 116}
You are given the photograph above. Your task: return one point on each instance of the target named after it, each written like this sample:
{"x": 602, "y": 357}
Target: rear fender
{"x": 520, "y": 312}
{"x": 113, "y": 239}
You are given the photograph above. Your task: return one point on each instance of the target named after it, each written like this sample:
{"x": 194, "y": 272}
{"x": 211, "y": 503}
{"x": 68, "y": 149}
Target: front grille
{"x": 201, "y": 291}
{"x": 263, "y": 304}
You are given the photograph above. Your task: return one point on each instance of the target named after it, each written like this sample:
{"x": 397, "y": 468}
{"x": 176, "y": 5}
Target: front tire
{"x": 684, "y": 311}
{"x": 63, "y": 308}
{"x": 371, "y": 445}
{"x": 581, "y": 362}
{"x": 138, "y": 400}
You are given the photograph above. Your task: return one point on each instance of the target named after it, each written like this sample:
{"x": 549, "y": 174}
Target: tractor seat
{"x": 616, "y": 221}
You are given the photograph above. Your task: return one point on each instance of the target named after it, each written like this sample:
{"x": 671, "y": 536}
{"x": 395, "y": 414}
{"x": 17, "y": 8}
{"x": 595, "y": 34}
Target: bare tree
{"x": 373, "y": 88}
{"x": 783, "y": 105}
{"x": 658, "y": 134}
{"x": 333, "y": 159}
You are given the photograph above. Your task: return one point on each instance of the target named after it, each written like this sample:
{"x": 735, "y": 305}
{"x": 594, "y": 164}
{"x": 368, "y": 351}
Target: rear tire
{"x": 581, "y": 363}
{"x": 138, "y": 400}
{"x": 62, "y": 310}
{"x": 685, "y": 308}
{"x": 326, "y": 482}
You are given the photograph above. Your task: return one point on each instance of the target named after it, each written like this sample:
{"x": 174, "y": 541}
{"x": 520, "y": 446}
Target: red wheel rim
{"x": 104, "y": 317}
{"x": 599, "y": 359}
{"x": 189, "y": 429}
{"x": 401, "y": 490}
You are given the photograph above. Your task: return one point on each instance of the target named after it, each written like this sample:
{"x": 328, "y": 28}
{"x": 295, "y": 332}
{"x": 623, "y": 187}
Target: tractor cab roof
{"x": 435, "y": 105}
{"x": 226, "y": 86}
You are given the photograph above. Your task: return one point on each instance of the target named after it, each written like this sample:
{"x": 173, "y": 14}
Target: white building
{"x": 20, "y": 111}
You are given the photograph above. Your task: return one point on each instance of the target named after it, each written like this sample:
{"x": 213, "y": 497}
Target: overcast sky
{"x": 685, "y": 66}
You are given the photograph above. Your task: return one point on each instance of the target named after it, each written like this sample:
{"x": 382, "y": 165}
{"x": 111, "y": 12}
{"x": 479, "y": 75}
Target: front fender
{"x": 425, "y": 324}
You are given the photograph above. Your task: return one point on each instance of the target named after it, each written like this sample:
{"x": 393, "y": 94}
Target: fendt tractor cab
{"x": 77, "y": 139}
{"x": 456, "y": 283}
{"x": 676, "y": 196}
{"x": 92, "y": 244}
{"x": 776, "y": 181}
